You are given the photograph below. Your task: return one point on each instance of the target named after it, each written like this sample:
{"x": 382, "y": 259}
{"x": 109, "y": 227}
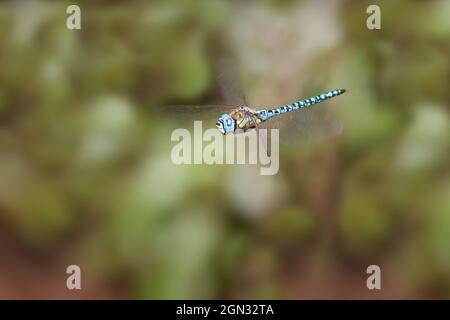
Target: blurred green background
{"x": 86, "y": 176}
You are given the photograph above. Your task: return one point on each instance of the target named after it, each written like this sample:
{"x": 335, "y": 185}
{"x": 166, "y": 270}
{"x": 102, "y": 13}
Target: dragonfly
{"x": 244, "y": 118}
{"x": 235, "y": 115}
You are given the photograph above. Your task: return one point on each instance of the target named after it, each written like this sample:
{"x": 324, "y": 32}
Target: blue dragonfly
{"x": 236, "y": 116}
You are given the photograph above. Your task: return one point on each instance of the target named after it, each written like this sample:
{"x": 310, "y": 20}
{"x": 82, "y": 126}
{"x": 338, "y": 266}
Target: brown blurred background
{"x": 86, "y": 176}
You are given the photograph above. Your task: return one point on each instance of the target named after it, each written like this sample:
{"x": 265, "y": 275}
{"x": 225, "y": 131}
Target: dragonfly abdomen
{"x": 267, "y": 114}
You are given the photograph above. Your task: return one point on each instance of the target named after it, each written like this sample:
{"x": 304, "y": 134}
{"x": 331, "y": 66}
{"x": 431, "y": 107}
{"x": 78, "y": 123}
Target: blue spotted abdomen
{"x": 265, "y": 115}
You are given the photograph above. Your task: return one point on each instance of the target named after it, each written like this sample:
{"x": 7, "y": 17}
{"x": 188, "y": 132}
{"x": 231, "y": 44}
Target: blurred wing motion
{"x": 305, "y": 127}
{"x": 185, "y": 115}
{"x": 229, "y": 84}
{"x": 230, "y": 92}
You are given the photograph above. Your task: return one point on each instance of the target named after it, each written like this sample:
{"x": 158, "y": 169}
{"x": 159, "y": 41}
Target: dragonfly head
{"x": 226, "y": 124}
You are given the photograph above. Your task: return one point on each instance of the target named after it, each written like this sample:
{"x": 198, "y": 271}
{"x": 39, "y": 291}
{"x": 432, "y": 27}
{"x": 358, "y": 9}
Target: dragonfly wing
{"x": 305, "y": 127}
{"x": 194, "y": 112}
{"x": 229, "y": 85}
{"x": 231, "y": 98}
{"x": 184, "y": 116}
